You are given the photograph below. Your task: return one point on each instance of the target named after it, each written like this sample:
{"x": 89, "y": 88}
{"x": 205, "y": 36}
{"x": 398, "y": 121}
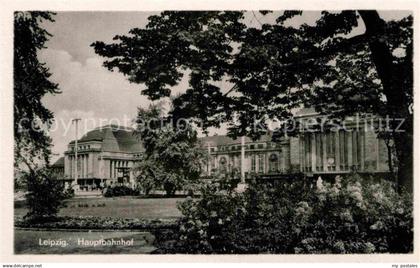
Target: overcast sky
{"x": 90, "y": 91}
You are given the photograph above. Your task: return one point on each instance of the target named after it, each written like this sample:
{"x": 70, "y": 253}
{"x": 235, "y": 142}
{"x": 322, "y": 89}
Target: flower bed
{"x": 99, "y": 223}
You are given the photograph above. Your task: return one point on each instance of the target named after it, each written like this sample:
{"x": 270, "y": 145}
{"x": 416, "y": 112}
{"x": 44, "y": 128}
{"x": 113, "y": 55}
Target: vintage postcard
{"x": 269, "y": 132}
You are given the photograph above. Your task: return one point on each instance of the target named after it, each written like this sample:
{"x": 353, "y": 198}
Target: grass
{"x": 27, "y": 242}
{"x": 119, "y": 207}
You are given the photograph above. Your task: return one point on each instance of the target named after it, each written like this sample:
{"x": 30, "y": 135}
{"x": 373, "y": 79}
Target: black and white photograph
{"x": 213, "y": 132}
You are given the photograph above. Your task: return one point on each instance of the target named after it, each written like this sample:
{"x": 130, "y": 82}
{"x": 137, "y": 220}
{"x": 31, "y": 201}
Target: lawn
{"x": 121, "y": 207}
{"x": 28, "y": 242}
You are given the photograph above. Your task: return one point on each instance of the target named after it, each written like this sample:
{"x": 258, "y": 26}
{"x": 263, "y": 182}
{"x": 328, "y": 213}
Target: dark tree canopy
{"x": 273, "y": 68}
{"x": 172, "y": 158}
{"x": 31, "y": 83}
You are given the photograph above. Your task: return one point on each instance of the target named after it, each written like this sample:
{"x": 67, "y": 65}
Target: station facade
{"x": 107, "y": 154}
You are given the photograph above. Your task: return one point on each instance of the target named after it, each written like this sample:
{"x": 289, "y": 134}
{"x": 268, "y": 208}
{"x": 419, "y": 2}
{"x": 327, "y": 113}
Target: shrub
{"x": 100, "y": 223}
{"x": 355, "y": 216}
{"x": 207, "y": 221}
{"x": 45, "y": 194}
{"x": 349, "y": 215}
{"x": 120, "y": 191}
{"x": 69, "y": 193}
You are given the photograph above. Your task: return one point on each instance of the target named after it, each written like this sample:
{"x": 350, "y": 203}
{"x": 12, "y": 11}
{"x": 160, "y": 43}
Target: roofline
{"x": 100, "y": 151}
{"x": 114, "y": 126}
{"x": 85, "y": 141}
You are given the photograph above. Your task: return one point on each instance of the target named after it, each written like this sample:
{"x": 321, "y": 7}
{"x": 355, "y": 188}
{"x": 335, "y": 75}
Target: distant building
{"x": 107, "y": 154}
{"x": 261, "y": 157}
{"x": 309, "y": 152}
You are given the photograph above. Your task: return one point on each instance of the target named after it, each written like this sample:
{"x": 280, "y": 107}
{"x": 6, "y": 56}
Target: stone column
{"x": 209, "y": 160}
{"x": 80, "y": 164}
{"x": 90, "y": 165}
{"x": 362, "y": 149}
{"x": 313, "y": 152}
{"x": 302, "y": 154}
{"x": 337, "y": 151}
{"x": 349, "y": 143}
{"x": 324, "y": 152}
{"x": 294, "y": 154}
{"x": 85, "y": 165}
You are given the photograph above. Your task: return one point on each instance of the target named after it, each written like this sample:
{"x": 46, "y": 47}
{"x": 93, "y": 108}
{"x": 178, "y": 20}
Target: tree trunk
{"x": 404, "y": 148}
{"x": 397, "y": 103}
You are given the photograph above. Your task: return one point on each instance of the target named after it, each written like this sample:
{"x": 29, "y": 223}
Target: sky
{"x": 93, "y": 93}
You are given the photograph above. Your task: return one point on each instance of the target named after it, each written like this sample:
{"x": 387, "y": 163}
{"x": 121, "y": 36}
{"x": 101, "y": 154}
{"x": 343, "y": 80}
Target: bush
{"x": 69, "y": 193}
{"x": 45, "y": 195}
{"x": 120, "y": 191}
{"x": 355, "y": 216}
{"x": 99, "y": 223}
{"x": 349, "y": 215}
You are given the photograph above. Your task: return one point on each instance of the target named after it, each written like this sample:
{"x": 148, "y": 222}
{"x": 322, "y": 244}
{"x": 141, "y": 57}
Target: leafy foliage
{"x": 31, "y": 83}
{"x": 348, "y": 216}
{"x": 148, "y": 175}
{"x": 46, "y": 194}
{"x": 273, "y": 68}
{"x": 99, "y": 223}
{"x": 263, "y": 63}
{"x": 172, "y": 156}
{"x": 119, "y": 191}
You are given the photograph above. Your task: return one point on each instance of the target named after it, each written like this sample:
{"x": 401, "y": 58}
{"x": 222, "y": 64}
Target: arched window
{"x": 273, "y": 163}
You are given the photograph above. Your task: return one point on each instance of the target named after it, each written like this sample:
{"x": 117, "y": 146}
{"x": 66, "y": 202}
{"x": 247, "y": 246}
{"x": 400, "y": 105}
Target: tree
{"x": 31, "y": 83}
{"x": 172, "y": 157}
{"x": 45, "y": 196}
{"x": 45, "y": 192}
{"x": 148, "y": 175}
{"x": 272, "y": 68}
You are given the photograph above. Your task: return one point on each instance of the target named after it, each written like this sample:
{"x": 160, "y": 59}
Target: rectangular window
{"x": 343, "y": 150}
{"x": 308, "y": 152}
{"x": 110, "y": 169}
{"x": 319, "y": 152}
{"x": 330, "y": 144}
{"x": 356, "y": 148}
{"x": 261, "y": 163}
{"x": 232, "y": 161}
{"x": 253, "y": 163}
